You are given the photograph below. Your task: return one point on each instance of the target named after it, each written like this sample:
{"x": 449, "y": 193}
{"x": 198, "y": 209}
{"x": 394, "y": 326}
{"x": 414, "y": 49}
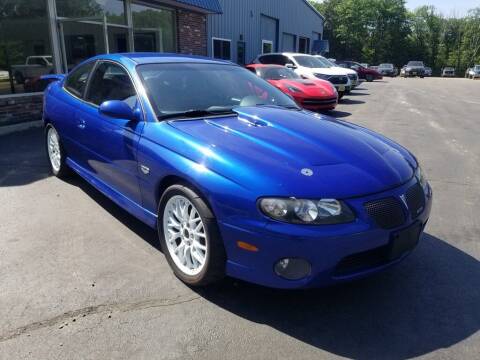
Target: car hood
{"x": 344, "y": 70}
{"x": 328, "y": 71}
{"x": 267, "y": 149}
{"x": 308, "y": 87}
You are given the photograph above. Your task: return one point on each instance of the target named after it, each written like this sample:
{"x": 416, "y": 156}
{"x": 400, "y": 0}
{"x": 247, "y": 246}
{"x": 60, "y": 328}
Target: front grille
{"x": 362, "y": 261}
{"x": 415, "y": 199}
{"x": 338, "y": 79}
{"x": 387, "y": 213}
{"x": 319, "y": 101}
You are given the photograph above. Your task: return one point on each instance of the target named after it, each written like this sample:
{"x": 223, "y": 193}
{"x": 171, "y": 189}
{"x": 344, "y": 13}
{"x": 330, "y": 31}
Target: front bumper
{"x": 324, "y": 247}
{"x": 318, "y": 104}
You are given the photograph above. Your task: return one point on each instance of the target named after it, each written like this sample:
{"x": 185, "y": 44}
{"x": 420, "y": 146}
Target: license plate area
{"x": 341, "y": 87}
{"x": 404, "y": 240}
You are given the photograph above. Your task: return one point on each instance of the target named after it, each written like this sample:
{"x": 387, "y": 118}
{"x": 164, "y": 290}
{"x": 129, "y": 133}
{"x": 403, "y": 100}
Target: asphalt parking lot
{"x": 82, "y": 279}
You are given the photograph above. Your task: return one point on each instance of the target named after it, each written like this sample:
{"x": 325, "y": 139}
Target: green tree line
{"x": 376, "y": 31}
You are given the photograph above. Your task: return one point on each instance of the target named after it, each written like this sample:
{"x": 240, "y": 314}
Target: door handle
{"x": 81, "y": 124}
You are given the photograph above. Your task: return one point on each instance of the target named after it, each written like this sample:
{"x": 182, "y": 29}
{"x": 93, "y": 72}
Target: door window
{"x": 77, "y": 80}
{"x": 111, "y": 82}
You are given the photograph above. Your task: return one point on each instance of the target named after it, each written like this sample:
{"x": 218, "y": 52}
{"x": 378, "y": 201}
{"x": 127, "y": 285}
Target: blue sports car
{"x": 237, "y": 179}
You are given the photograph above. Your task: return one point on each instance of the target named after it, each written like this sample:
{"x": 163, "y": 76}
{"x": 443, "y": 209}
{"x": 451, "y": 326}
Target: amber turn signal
{"x": 246, "y": 246}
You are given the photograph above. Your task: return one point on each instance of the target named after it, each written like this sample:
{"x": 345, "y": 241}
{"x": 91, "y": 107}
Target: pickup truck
{"x": 34, "y": 66}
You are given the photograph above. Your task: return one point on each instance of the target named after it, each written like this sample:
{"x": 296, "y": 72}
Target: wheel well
{"x": 172, "y": 180}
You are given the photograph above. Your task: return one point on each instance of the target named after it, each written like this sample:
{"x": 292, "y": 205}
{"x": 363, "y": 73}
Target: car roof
{"x": 153, "y": 58}
{"x": 286, "y": 54}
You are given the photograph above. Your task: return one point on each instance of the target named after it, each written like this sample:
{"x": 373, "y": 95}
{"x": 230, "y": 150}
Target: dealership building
{"x": 39, "y": 37}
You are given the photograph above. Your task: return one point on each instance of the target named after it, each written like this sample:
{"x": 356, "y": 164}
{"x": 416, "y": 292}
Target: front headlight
{"x": 307, "y": 211}
{"x": 422, "y": 180}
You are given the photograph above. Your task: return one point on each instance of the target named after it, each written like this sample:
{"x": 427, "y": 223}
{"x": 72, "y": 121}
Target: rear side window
{"x": 274, "y": 59}
{"x": 77, "y": 80}
{"x": 111, "y": 82}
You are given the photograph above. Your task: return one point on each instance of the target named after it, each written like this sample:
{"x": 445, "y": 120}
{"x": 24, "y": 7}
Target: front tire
{"x": 56, "y": 153}
{"x": 189, "y": 237}
{"x": 369, "y": 78}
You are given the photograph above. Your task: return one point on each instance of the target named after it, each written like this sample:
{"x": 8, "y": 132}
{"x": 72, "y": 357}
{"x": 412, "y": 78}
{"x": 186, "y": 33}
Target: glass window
{"x": 82, "y": 41}
{"x": 267, "y": 47}
{"x": 25, "y": 48}
{"x": 308, "y": 61}
{"x": 275, "y": 59}
{"x": 154, "y": 28}
{"x": 77, "y": 80}
{"x": 114, "y": 10}
{"x": 277, "y": 73}
{"x": 111, "y": 82}
{"x": 209, "y": 87}
{"x": 221, "y": 49}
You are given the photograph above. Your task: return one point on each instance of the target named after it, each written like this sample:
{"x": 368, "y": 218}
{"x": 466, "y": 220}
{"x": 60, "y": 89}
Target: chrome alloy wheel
{"x": 53, "y": 146}
{"x": 185, "y": 235}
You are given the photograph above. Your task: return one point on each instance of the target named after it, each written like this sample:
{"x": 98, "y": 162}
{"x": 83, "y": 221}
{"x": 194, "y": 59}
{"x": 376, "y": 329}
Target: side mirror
{"x": 290, "y": 66}
{"x": 117, "y": 109}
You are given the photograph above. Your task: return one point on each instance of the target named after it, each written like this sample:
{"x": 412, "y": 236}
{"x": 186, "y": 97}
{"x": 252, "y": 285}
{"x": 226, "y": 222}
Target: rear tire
{"x": 189, "y": 237}
{"x": 56, "y": 153}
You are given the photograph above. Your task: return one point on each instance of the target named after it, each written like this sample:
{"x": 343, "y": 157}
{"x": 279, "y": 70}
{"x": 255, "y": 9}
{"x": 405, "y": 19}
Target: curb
{"x": 9, "y": 129}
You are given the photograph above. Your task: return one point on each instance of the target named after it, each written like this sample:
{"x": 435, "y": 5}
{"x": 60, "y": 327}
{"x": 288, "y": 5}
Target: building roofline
{"x": 314, "y": 9}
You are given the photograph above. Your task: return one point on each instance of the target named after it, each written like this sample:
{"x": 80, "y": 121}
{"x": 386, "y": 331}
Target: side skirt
{"x": 125, "y": 203}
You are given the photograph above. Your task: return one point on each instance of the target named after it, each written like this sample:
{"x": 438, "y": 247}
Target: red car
{"x": 363, "y": 72}
{"x": 309, "y": 94}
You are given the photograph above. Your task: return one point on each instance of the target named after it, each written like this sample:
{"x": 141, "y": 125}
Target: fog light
{"x": 292, "y": 269}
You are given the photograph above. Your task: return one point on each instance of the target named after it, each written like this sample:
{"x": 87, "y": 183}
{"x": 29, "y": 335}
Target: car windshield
{"x": 277, "y": 73}
{"x": 415, "y": 63}
{"x": 448, "y": 69}
{"x": 193, "y": 88}
{"x": 324, "y": 61}
{"x": 309, "y": 61}
{"x": 477, "y": 67}
{"x": 386, "y": 66}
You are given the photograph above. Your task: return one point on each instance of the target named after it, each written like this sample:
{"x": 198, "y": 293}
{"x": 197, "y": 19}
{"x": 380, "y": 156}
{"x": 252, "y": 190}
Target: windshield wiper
{"x": 193, "y": 113}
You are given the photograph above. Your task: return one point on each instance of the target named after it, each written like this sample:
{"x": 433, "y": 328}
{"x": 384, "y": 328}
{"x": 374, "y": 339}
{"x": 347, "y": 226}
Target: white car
{"x": 474, "y": 72}
{"x": 352, "y": 74}
{"x": 309, "y": 67}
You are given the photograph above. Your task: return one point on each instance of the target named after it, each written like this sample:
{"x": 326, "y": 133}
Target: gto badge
{"x": 307, "y": 172}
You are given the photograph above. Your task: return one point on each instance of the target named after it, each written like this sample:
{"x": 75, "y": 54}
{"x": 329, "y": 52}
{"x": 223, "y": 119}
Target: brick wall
{"x": 191, "y": 33}
{"x": 20, "y": 108}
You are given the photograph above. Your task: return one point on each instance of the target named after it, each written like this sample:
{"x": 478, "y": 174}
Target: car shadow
{"x": 136, "y": 226}
{"x": 347, "y": 101}
{"x": 336, "y": 113}
{"x": 355, "y": 93}
{"x": 429, "y": 302}
{"x": 23, "y": 159}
